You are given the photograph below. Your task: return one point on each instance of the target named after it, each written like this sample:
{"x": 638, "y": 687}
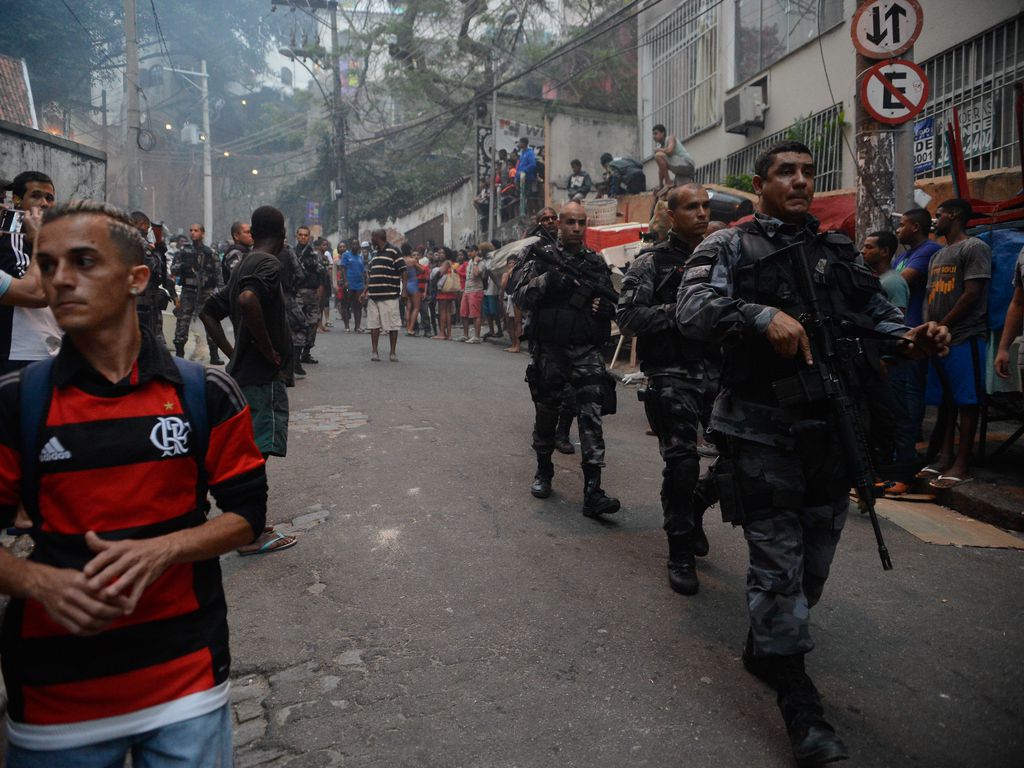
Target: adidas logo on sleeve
{"x": 54, "y": 451}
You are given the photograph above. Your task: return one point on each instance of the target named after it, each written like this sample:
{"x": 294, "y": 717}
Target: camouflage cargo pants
{"x": 191, "y": 303}
{"x": 551, "y": 368}
{"x": 308, "y": 301}
{"x": 795, "y": 505}
{"x": 675, "y": 407}
{"x": 297, "y": 321}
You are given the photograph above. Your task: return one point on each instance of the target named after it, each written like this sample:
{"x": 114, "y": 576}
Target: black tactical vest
{"x": 558, "y": 321}
{"x": 667, "y": 348}
{"x": 766, "y": 275}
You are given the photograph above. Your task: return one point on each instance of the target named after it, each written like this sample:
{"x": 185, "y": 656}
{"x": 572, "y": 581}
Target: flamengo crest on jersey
{"x": 54, "y": 451}
{"x": 170, "y": 435}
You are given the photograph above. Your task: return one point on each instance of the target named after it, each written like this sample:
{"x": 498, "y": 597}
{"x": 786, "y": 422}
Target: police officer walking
{"x": 675, "y": 374}
{"x": 566, "y": 327}
{"x": 241, "y": 244}
{"x": 307, "y": 293}
{"x": 160, "y": 288}
{"x": 196, "y": 265}
{"x": 789, "y": 483}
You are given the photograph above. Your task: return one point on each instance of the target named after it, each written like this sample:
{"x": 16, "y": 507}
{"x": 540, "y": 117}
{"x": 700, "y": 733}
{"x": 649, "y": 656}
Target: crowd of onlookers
{"x": 446, "y": 294}
{"x": 945, "y": 279}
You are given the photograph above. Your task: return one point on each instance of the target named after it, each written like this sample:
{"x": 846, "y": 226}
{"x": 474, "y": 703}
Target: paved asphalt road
{"x": 434, "y": 614}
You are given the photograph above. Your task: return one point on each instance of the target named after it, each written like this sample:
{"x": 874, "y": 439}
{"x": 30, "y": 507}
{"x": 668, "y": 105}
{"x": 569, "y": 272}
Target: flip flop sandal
{"x": 928, "y": 472}
{"x": 945, "y": 482}
{"x": 275, "y": 541}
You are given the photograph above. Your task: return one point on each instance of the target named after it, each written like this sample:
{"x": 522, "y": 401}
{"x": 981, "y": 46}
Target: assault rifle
{"x": 587, "y": 285}
{"x": 831, "y": 366}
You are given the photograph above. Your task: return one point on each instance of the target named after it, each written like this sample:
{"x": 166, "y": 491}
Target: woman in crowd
{"x": 412, "y": 289}
{"x": 447, "y": 292}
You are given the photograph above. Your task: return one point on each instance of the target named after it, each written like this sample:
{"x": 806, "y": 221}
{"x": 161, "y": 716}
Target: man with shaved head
{"x": 566, "y": 327}
{"x": 675, "y": 373}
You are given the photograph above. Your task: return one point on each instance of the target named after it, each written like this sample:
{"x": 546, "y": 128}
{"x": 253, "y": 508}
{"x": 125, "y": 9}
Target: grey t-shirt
{"x": 969, "y": 259}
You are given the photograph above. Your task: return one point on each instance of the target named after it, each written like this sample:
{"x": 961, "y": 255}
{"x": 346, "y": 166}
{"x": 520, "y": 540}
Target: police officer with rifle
{"x": 196, "y": 266}
{"x": 307, "y": 293}
{"x": 675, "y": 374}
{"x": 566, "y": 289}
{"x": 160, "y": 289}
{"x": 792, "y": 308}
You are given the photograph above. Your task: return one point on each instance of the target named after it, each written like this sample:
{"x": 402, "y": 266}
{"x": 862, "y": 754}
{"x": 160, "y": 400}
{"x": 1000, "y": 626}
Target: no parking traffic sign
{"x": 894, "y": 91}
{"x": 882, "y": 29}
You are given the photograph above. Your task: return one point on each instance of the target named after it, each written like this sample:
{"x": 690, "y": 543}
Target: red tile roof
{"x": 15, "y": 93}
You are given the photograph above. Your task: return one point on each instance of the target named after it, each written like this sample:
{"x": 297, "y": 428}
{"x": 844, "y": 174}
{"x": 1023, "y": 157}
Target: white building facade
{"x": 731, "y": 77}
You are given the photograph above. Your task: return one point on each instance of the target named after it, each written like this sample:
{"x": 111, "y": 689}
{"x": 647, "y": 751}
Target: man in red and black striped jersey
{"x": 116, "y": 639}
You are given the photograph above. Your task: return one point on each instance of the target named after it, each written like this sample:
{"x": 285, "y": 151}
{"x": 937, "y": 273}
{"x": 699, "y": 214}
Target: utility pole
{"x": 204, "y": 87}
{"x": 496, "y": 173}
{"x": 885, "y": 178}
{"x": 340, "y": 186}
{"x": 131, "y": 84}
{"x": 340, "y": 191}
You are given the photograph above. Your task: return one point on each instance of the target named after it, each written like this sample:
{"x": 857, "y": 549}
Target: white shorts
{"x": 383, "y": 315}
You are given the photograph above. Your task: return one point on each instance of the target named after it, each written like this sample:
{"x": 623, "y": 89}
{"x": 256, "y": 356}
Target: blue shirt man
{"x": 527, "y": 161}
{"x": 355, "y": 269}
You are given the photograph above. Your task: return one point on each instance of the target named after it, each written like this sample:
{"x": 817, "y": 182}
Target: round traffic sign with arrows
{"x": 894, "y": 91}
{"x": 882, "y": 29}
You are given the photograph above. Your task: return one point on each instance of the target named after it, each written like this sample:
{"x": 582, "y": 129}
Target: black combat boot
{"x": 814, "y": 741}
{"x": 307, "y": 358}
{"x": 179, "y": 350}
{"x": 297, "y": 368}
{"x": 682, "y": 569}
{"x": 562, "y": 442}
{"x": 701, "y": 547}
{"x": 541, "y": 487}
{"x": 595, "y": 501}
{"x": 762, "y": 667}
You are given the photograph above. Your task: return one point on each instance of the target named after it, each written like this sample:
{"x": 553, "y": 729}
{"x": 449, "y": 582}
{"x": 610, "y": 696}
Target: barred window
{"x": 767, "y": 30}
{"x": 977, "y": 78}
{"x": 680, "y": 56}
{"x": 822, "y": 132}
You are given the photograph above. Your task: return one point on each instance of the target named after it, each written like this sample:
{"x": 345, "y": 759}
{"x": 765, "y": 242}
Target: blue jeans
{"x": 905, "y": 383}
{"x": 201, "y": 742}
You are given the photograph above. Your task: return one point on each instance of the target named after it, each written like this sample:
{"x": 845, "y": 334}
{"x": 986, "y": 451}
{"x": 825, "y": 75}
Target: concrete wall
{"x": 585, "y": 138}
{"x": 77, "y": 171}
{"x": 456, "y": 206}
{"x": 797, "y": 84}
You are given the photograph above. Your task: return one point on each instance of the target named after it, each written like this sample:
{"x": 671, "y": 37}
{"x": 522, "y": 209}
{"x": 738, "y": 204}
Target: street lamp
{"x": 204, "y": 90}
{"x": 337, "y": 110}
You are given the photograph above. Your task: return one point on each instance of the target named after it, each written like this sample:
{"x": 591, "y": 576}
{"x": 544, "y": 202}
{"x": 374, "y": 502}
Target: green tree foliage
{"x": 66, "y": 43}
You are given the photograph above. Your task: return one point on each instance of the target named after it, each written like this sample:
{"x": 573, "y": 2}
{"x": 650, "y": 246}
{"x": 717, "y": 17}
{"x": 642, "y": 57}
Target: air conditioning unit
{"x": 745, "y": 109}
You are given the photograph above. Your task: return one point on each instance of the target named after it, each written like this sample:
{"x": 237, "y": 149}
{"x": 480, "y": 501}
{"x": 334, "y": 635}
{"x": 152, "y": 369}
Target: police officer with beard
{"x": 675, "y": 374}
{"x": 789, "y": 481}
{"x": 196, "y": 265}
{"x": 566, "y": 327}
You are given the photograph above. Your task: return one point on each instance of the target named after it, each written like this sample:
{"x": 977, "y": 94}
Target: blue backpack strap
{"x": 193, "y": 376}
{"x": 35, "y": 392}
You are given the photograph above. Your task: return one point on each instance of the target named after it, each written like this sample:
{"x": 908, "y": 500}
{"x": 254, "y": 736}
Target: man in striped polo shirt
{"x": 384, "y": 288}
{"x": 116, "y": 640}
